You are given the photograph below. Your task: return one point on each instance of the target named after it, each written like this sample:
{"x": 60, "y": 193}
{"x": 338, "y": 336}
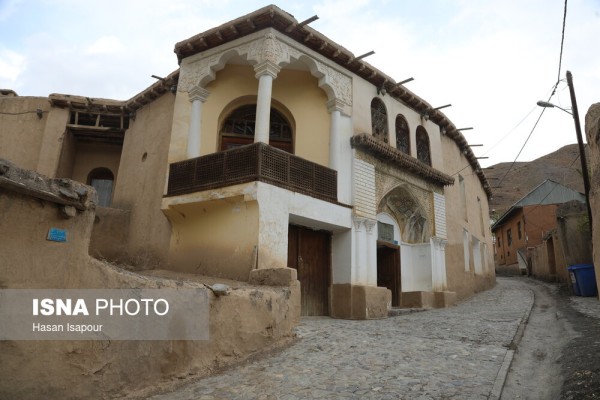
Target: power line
{"x": 522, "y": 147}
{"x": 562, "y": 41}
{"x": 510, "y": 132}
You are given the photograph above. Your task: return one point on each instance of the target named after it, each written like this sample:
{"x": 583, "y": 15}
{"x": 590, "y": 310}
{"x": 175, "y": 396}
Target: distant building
{"x": 529, "y": 220}
{"x": 274, "y": 147}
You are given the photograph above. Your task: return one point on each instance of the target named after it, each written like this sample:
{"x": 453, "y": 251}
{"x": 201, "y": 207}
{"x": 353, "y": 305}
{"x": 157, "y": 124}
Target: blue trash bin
{"x": 584, "y": 280}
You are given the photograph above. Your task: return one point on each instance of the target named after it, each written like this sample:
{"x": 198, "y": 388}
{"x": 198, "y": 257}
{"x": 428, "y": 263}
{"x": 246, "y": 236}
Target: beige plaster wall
{"x": 141, "y": 182}
{"x": 216, "y": 238}
{"x": 21, "y": 131}
{"x": 295, "y": 93}
{"x": 246, "y": 321}
{"x": 363, "y": 94}
{"x": 462, "y": 282}
{"x": 298, "y": 91}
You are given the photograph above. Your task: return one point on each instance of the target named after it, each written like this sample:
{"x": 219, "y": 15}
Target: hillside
{"x": 562, "y": 166}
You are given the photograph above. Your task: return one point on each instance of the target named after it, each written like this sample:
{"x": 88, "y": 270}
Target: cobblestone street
{"x": 455, "y": 353}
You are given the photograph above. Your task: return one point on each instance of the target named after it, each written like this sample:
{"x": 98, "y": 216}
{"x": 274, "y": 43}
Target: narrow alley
{"x": 497, "y": 341}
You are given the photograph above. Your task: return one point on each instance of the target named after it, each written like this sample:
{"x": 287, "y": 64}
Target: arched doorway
{"x": 102, "y": 180}
{"x": 238, "y": 129}
{"x": 403, "y": 248}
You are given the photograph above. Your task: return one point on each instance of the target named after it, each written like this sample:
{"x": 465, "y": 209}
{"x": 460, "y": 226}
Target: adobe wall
{"x": 22, "y": 129}
{"x": 592, "y": 129}
{"x": 246, "y": 321}
{"x": 466, "y": 283}
{"x": 141, "y": 183}
{"x": 573, "y": 233}
{"x": 89, "y": 156}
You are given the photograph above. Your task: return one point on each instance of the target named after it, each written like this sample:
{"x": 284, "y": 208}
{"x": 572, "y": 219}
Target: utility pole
{"x": 584, "y": 169}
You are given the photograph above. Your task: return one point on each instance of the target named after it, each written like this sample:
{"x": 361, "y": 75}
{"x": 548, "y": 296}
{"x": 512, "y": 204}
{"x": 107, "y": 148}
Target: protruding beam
{"x": 309, "y": 20}
{"x": 370, "y": 53}
{"x": 405, "y": 81}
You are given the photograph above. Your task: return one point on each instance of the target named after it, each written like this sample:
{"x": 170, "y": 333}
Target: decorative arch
{"x": 272, "y": 49}
{"x": 423, "y": 147}
{"x": 102, "y": 179}
{"x": 408, "y": 212}
{"x": 379, "y": 122}
{"x": 237, "y": 127}
{"x": 402, "y": 134}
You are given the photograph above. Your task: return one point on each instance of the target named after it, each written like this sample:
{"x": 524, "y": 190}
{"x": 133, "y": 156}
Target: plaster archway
{"x": 409, "y": 213}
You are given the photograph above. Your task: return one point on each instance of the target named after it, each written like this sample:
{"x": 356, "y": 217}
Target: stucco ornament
{"x": 341, "y": 84}
{"x": 272, "y": 51}
{"x": 194, "y": 73}
{"x": 358, "y": 223}
{"x": 370, "y": 224}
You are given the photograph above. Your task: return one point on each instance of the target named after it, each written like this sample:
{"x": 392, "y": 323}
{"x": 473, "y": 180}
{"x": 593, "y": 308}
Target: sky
{"x": 491, "y": 59}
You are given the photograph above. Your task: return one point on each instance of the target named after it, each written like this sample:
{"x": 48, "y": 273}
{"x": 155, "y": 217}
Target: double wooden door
{"x": 309, "y": 252}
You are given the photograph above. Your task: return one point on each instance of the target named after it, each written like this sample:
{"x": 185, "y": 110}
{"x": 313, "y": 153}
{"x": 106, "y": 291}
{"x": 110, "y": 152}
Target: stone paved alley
{"x": 463, "y": 352}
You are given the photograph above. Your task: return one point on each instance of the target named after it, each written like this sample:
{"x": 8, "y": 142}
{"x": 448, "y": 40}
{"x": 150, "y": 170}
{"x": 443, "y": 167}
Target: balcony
{"x": 254, "y": 162}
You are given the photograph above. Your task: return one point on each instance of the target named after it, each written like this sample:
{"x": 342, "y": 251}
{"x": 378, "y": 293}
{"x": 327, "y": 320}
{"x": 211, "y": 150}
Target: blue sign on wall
{"x": 57, "y": 235}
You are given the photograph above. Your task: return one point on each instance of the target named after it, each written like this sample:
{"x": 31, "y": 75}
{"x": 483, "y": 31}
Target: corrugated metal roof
{"x": 547, "y": 192}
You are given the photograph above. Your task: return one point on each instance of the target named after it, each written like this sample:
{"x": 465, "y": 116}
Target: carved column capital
{"x": 198, "y": 93}
{"x": 267, "y": 68}
{"x": 370, "y": 224}
{"x": 358, "y": 222}
{"x": 335, "y": 105}
{"x": 439, "y": 243}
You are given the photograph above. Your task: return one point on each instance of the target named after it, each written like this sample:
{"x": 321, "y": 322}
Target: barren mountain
{"x": 562, "y": 166}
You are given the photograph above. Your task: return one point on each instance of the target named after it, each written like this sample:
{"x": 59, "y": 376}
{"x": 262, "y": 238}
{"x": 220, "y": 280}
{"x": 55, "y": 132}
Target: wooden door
{"x": 309, "y": 252}
{"x": 388, "y": 270}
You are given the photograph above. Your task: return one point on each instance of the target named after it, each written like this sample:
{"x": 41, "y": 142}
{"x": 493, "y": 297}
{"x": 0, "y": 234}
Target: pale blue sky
{"x": 492, "y": 59}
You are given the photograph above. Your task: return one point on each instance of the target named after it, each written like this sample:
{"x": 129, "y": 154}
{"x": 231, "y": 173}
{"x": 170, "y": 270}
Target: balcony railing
{"x": 254, "y": 162}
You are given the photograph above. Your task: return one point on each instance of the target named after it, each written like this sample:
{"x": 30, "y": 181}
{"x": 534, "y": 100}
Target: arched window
{"x": 402, "y": 134}
{"x": 379, "y": 123}
{"x": 102, "y": 180}
{"x": 238, "y": 129}
{"x": 423, "y": 150}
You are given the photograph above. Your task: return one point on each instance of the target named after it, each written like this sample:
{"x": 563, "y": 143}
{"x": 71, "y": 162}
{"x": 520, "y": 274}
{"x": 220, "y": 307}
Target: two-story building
{"x": 273, "y": 147}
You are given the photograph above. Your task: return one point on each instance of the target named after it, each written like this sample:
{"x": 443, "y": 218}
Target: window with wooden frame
{"x": 379, "y": 122}
{"x": 238, "y": 129}
{"x": 423, "y": 149}
{"x": 402, "y": 134}
{"x": 102, "y": 180}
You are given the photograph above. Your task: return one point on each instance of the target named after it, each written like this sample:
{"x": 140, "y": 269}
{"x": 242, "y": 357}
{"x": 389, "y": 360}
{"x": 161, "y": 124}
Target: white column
{"x": 358, "y": 249}
{"x": 335, "y": 107}
{"x": 197, "y": 96}
{"x": 265, "y": 73}
{"x": 438, "y": 263}
{"x": 371, "y": 252}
